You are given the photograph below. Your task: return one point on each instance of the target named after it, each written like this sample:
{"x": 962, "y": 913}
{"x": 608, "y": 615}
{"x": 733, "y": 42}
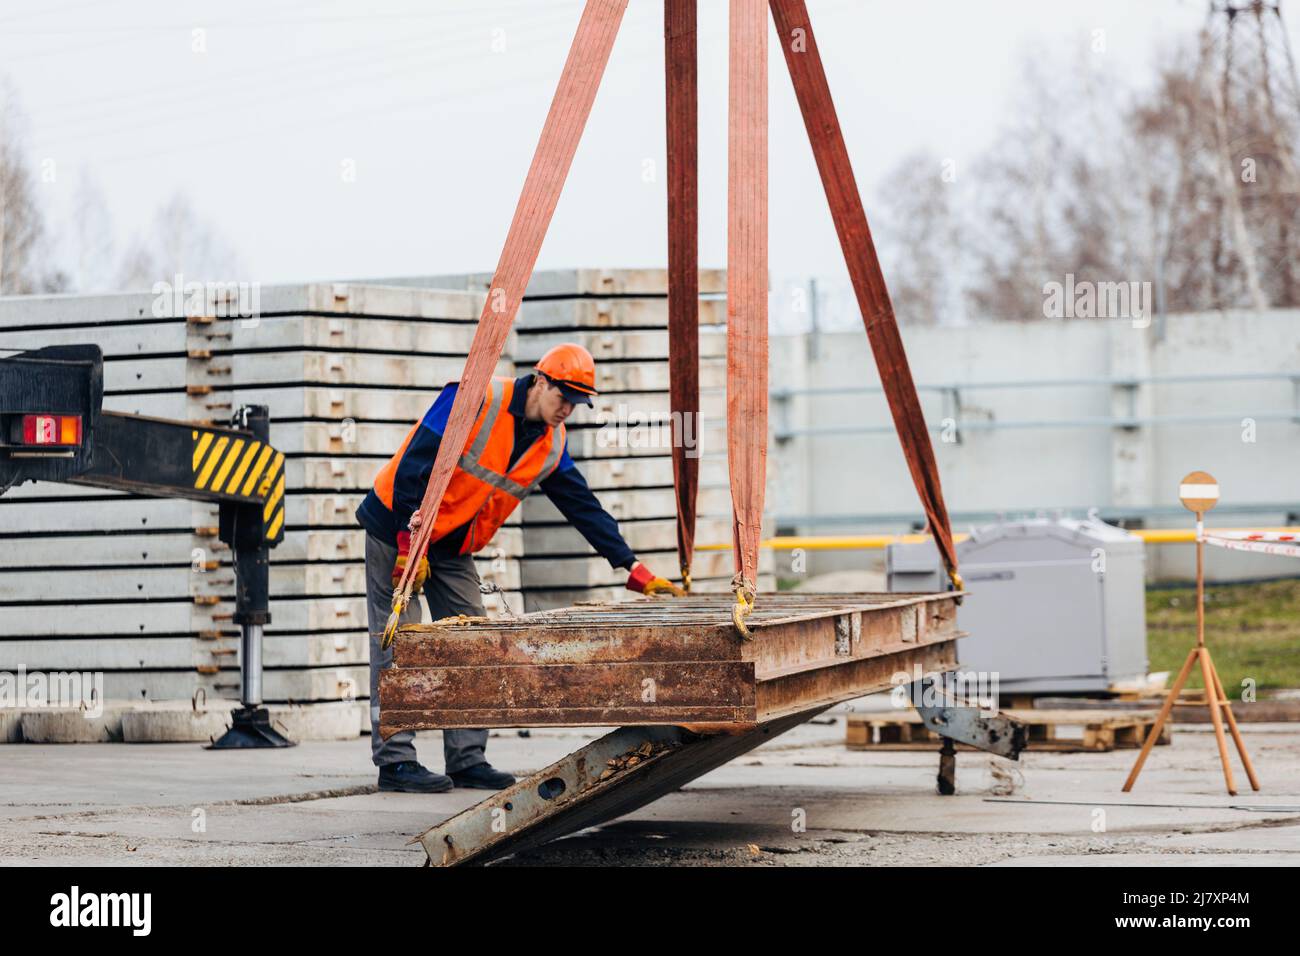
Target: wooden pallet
{"x": 1100, "y": 731}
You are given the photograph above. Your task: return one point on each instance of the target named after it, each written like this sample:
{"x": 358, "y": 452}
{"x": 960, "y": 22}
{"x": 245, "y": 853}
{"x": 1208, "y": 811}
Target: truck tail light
{"x": 51, "y": 429}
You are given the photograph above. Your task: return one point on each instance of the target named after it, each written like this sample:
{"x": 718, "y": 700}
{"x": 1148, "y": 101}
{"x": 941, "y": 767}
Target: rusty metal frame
{"x": 661, "y": 661}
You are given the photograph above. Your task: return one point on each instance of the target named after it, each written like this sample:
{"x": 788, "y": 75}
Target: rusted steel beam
{"x": 586, "y": 644}
{"x": 692, "y": 609}
{"x": 791, "y": 632}
{"x": 644, "y": 715}
{"x": 612, "y": 776}
{"x": 556, "y": 694}
{"x": 825, "y": 686}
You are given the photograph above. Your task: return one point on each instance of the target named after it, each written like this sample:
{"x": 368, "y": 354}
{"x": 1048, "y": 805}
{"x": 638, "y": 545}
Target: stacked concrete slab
{"x": 623, "y": 443}
{"x": 141, "y": 589}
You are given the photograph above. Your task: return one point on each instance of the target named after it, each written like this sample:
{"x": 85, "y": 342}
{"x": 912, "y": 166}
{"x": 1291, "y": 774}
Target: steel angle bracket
{"x": 609, "y": 777}
{"x": 955, "y": 720}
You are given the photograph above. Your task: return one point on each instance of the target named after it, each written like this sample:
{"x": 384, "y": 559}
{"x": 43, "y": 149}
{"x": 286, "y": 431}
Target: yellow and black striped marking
{"x": 227, "y": 464}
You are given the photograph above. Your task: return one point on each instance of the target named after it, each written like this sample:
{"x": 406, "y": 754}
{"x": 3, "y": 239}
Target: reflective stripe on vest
{"x": 471, "y": 461}
{"x": 477, "y": 494}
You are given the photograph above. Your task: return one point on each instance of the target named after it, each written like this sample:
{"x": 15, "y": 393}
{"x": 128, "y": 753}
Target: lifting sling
{"x": 683, "y": 268}
{"x": 747, "y": 270}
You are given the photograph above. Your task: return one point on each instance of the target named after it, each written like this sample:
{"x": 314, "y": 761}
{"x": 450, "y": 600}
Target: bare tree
{"x": 24, "y": 266}
{"x": 91, "y": 238}
{"x": 1174, "y": 128}
{"x": 1053, "y": 195}
{"x": 178, "y": 242}
{"x": 1188, "y": 185}
{"x": 921, "y": 240}
{"x": 1019, "y": 240}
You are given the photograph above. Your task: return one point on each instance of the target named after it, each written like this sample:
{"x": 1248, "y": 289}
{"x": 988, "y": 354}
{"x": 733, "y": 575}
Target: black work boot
{"x": 482, "y": 776}
{"x": 408, "y": 776}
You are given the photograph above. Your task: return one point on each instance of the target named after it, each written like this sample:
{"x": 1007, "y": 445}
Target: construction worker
{"x": 517, "y": 445}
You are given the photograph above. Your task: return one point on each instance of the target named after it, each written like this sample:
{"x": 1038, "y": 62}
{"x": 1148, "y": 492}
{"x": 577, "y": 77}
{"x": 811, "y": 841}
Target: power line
{"x": 265, "y": 79}
{"x": 421, "y": 103}
{"x": 48, "y": 11}
{"x": 236, "y": 23}
{"x": 64, "y": 50}
{"x": 117, "y": 127}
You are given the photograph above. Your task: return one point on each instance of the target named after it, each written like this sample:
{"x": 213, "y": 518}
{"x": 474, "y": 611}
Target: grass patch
{"x": 1252, "y": 630}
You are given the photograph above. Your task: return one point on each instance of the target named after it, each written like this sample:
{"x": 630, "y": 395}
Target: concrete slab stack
{"x": 141, "y": 589}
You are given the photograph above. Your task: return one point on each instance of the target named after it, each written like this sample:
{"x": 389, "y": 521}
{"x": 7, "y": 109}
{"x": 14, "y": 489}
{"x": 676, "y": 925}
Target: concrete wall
{"x": 1058, "y": 466}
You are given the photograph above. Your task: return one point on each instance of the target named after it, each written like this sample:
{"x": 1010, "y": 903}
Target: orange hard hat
{"x": 571, "y": 367}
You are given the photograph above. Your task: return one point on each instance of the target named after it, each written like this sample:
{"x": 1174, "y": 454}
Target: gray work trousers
{"x": 452, "y": 588}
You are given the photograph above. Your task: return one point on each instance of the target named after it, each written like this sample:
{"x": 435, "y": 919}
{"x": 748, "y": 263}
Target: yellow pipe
{"x": 869, "y": 542}
{"x": 1168, "y": 535}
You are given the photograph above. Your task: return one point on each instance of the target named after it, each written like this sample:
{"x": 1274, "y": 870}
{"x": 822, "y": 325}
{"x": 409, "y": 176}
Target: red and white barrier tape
{"x": 1264, "y": 542}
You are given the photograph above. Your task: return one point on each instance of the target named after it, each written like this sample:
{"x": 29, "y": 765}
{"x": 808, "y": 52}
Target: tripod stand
{"x": 1198, "y": 483}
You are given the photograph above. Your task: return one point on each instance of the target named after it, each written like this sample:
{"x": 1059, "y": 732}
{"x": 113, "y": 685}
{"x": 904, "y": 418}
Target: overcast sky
{"x": 437, "y": 105}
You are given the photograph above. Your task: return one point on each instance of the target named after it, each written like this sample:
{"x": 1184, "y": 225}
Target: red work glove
{"x": 403, "y": 558}
{"x": 643, "y": 581}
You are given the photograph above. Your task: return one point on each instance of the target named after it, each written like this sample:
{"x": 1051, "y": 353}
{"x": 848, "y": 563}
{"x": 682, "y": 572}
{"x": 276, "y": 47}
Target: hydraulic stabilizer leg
{"x": 242, "y": 527}
{"x": 250, "y": 723}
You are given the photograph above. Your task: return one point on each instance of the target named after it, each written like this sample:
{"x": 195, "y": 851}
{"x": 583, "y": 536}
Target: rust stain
{"x": 632, "y": 758}
{"x": 656, "y": 662}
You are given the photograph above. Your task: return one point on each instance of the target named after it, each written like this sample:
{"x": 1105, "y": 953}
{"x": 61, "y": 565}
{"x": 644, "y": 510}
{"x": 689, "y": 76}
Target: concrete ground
{"x": 316, "y": 804}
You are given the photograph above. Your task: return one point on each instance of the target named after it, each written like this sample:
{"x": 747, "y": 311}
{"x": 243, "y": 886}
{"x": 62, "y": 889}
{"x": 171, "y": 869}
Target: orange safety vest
{"x": 481, "y": 489}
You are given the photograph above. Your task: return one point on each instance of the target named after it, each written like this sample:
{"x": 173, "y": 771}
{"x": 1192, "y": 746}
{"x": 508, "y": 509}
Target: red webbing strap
{"x": 683, "y": 267}
{"x": 814, "y": 95}
{"x": 747, "y": 291}
{"x": 568, "y": 114}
